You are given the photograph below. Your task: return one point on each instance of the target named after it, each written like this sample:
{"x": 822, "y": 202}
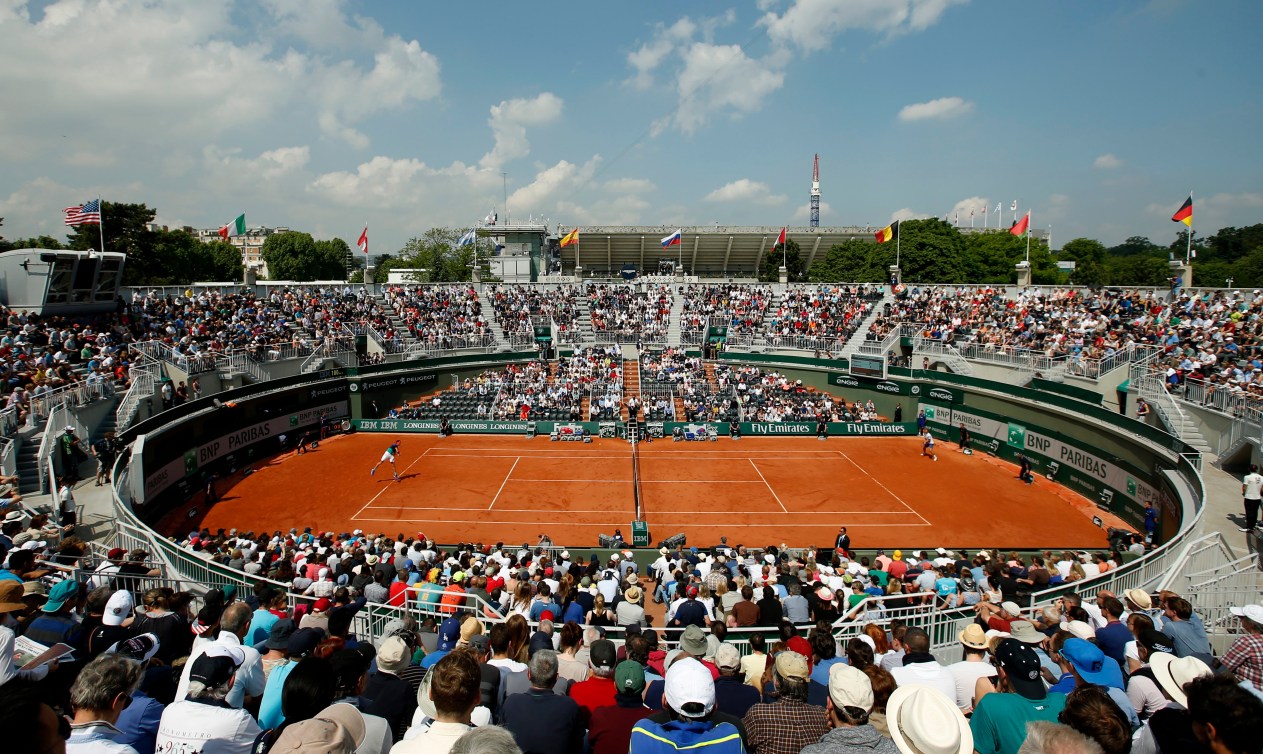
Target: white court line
{"x": 649, "y": 481}
{"x": 506, "y": 481}
{"x": 663, "y": 513}
{"x": 769, "y": 487}
{"x": 383, "y": 489}
{"x": 914, "y": 511}
{"x": 618, "y": 522}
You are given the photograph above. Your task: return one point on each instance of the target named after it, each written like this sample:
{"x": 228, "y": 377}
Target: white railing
{"x": 880, "y": 347}
{"x": 804, "y": 343}
{"x": 1153, "y": 389}
{"x": 9, "y": 456}
{"x": 946, "y": 353}
{"x": 144, "y": 385}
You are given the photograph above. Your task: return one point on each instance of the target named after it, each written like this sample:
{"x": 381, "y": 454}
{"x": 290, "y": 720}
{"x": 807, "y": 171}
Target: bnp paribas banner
{"x": 1069, "y": 464}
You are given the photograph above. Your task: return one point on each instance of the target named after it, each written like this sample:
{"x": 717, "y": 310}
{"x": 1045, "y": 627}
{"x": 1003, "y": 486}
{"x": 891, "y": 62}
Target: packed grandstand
{"x": 306, "y": 639}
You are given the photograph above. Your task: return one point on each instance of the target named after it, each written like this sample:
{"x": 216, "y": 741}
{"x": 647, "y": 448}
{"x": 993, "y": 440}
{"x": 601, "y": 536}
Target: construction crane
{"x": 815, "y": 193}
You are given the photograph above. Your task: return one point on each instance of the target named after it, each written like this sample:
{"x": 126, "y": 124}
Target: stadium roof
{"x": 708, "y": 251}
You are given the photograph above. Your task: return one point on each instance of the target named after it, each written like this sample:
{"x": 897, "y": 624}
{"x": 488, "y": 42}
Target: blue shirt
{"x": 818, "y": 689}
{"x": 260, "y": 627}
{"x": 138, "y": 724}
{"x": 651, "y": 738}
{"x": 270, "y": 714}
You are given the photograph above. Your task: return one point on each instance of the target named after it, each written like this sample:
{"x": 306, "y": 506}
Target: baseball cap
{"x": 115, "y": 553}
{"x": 1156, "y": 641}
{"x": 303, "y": 641}
{"x": 322, "y": 605}
{"x": 117, "y": 608}
{"x": 64, "y": 590}
{"x": 1011, "y": 608}
{"x": 850, "y": 687}
{"x": 790, "y": 664}
{"x": 1080, "y": 629}
{"x": 1252, "y": 613}
{"x": 140, "y": 648}
{"x": 727, "y": 656}
{"x": 693, "y": 641}
{"x": 689, "y": 688}
{"x": 336, "y": 729}
{"x": 1021, "y": 665}
{"x": 629, "y": 677}
{"x": 602, "y": 654}
{"x": 449, "y": 634}
{"x": 1091, "y": 663}
{"x": 216, "y": 665}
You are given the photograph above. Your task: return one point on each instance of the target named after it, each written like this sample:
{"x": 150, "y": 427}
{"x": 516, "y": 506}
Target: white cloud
{"x": 552, "y": 184}
{"x": 936, "y": 109}
{"x": 811, "y": 25}
{"x": 972, "y": 204}
{"x": 187, "y": 73}
{"x": 508, "y": 123}
{"x": 907, "y": 213}
{"x": 708, "y": 77}
{"x": 746, "y": 190}
{"x": 653, "y": 53}
{"x": 273, "y": 163}
{"x": 1107, "y": 162}
{"x": 721, "y": 78}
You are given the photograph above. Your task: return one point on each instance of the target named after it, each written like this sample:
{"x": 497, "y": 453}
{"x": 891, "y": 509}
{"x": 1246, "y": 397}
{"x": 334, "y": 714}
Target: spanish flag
{"x": 570, "y": 238}
{"x": 887, "y": 233}
{"x": 1185, "y": 213}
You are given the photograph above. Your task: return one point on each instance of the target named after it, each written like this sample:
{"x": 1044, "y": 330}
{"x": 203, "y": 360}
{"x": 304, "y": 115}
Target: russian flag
{"x": 675, "y": 238}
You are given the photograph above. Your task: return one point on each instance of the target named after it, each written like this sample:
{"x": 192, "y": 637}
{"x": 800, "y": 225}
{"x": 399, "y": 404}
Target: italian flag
{"x": 235, "y": 228}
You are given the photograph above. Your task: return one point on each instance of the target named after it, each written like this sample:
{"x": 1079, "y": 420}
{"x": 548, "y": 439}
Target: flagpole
{"x": 1028, "y": 239}
{"x": 897, "y": 239}
{"x": 1188, "y": 247}
{"x": 101, "y": 225}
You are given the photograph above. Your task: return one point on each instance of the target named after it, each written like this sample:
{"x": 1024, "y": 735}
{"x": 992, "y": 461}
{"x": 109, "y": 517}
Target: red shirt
{"x": 398, "y": 593}
{"x": 610, "y": 730}
{"x": 591, "y": 694}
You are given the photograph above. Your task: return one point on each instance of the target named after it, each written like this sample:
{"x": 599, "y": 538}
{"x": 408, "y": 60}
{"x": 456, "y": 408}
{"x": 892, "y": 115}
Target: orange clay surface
{"x": 756, "y": 491}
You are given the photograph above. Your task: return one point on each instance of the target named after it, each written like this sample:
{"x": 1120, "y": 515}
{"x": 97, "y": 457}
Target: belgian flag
{"x": 1185, "y": 213}
{"x": 887, "y": 233}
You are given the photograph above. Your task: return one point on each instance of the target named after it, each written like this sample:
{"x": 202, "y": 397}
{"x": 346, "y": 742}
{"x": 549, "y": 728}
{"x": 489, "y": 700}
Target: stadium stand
{"x": 416, "y": 602}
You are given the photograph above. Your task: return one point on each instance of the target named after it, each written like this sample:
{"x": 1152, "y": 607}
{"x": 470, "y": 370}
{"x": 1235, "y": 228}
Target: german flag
{"x": 570, "y": 238}
{"x": 887, "y": 233}
{"x": 1185, "y": 213}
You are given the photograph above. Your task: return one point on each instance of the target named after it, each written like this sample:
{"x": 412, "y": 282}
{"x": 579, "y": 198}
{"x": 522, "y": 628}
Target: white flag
{"x": 998, "y": 207}
{"x": 1013, "y": 206}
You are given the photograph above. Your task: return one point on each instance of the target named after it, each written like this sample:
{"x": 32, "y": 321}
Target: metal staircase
{"x": 673, "y": 324}
{"x": 861, "y": 332}
{"x": 1151, "y": 387}
{"x": 942, "y": 352}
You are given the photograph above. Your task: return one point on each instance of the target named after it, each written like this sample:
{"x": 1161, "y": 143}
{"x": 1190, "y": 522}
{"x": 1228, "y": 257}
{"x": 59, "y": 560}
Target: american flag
{"x": 87, "y": 214}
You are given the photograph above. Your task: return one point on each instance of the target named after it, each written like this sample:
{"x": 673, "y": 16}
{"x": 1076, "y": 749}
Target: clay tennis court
{"x": 757, "y": 491}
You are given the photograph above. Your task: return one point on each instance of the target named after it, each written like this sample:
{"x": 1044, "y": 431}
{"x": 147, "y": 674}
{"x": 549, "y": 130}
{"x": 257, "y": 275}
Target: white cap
{"x": 118, "y": 608}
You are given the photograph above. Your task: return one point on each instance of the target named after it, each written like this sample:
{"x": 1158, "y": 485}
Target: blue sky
{"x": 321, "y": 115}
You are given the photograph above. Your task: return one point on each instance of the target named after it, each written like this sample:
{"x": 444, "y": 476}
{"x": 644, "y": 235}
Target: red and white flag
{"x": 1019, "y": 228}
{"x": 780, "y": 239}
{"x": 363, "y": 242}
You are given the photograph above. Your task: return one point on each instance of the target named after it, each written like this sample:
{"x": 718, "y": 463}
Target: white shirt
{"x": 439, "y": 738}
{"x": 929, "y": 674}
{"x": 1253, "y": 484}
{"x": 967, "y": 674}
{"x": 195, "y": 728}
{"x": 250, "y": 679}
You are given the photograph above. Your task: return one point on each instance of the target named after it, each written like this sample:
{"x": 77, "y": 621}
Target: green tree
{"x": 436, "y": 252}
{"x": 1134, "y": 246}
{"x": 335, "y": 248}
{"x": 990, "y": 256}
{"x": 931, "y": 251}
{"x": 296, "y": 256}
{"x": 1231, "y": 244}
{"x": 39, "y": 242}
{"x": 1138, "y": 269}
{"x": 852, "y": 261}
{"x": 770, "y": 266}
{"x": 1083, "y": 250}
